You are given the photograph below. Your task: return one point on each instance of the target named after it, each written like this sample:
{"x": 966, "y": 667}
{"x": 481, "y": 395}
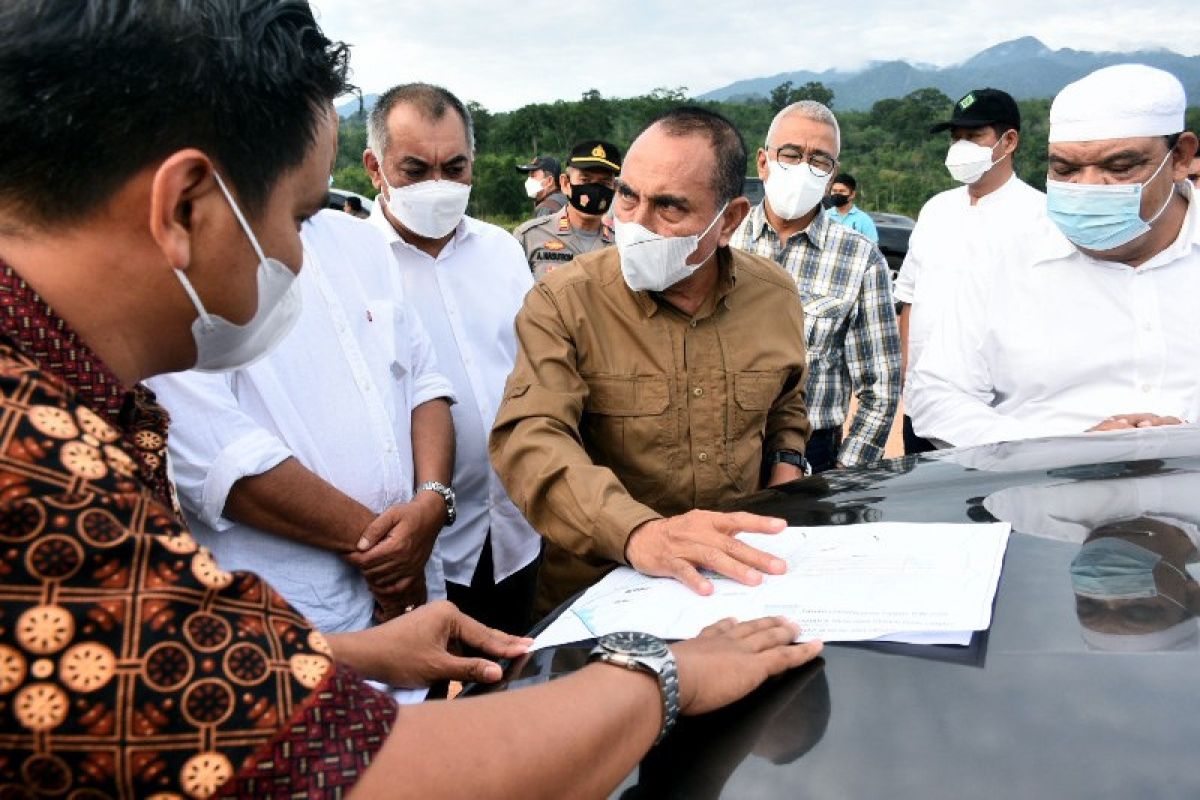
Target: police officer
{"x": 541, "y": 185}
{"x": 588, "y": 184}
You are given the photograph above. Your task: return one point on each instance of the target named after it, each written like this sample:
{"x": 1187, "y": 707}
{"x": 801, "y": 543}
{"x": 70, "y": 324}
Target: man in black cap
{"x": 541, "y": 185}
{"x": 957, "y": 225}
{"x": 588, "y": 186}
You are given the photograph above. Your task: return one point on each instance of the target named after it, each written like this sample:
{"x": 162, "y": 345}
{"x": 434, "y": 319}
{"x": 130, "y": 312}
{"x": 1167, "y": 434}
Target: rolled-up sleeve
{"x": 537, "y": 450}
{"x": 428, "y": 382}
{"x": 873, "y": 361}
{"x": 213, "y": 444}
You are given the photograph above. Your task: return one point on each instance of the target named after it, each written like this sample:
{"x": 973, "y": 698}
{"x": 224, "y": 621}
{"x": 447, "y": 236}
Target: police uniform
{"x": 550, "y": 242}
{"x": 550, "y": 205}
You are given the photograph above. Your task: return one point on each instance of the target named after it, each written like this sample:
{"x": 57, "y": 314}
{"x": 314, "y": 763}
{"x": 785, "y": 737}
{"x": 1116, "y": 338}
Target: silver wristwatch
{"x": 447, "y": 495}
{"x": 641, "y": 651}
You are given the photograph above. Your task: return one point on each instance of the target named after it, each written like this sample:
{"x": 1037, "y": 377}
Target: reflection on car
{"x": 1049, "y": 702}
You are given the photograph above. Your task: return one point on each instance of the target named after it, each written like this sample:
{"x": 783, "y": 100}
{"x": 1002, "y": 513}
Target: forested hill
{"x": 1025, "y": 68}
{"x": 899, "y": 165}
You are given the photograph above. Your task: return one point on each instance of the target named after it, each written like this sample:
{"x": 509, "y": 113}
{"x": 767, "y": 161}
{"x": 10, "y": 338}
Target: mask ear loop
{"x": 1170, "y": 194}
{"x": 205, "y": 319}
{"x": 705, "y": 233}
{"x": 237, "y": 212}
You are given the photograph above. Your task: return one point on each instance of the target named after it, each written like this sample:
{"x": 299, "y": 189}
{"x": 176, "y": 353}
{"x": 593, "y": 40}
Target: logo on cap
{"x": 967, "y": 101}
{"x": 598, "y": 151}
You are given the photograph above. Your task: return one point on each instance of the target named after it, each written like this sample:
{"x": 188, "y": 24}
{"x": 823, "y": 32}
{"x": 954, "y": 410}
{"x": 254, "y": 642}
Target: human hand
{"x": 728, "y": 660}
{"x": 1119, "y": 422}
{"x": 420, "y": 648}
{"x": 676, "y": 546}
{"x": 398, "y": 542}
{"x": 398, "y": 597}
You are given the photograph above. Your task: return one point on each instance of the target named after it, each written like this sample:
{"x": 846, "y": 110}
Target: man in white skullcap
{"x": 1090, "y": 321}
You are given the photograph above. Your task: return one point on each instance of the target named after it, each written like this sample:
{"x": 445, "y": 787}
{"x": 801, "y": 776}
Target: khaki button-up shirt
{"x": 621, "y": 409}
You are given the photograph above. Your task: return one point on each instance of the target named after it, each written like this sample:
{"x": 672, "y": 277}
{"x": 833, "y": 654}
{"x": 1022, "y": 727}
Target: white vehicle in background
{"x": 337, "y": 199}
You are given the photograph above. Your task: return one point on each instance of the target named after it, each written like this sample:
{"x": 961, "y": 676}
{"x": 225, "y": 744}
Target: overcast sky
{"x": 505, "y": 54}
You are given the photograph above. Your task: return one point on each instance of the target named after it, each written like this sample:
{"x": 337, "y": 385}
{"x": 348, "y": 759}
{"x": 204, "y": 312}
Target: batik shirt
{"x": 131, "y": 664}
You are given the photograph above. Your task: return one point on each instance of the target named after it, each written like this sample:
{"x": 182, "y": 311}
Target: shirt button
{"x": 703, "y": 458}
{"x": 693, "y": 323}
{"x": 1146, "y": 388}
{"x": 698, "y": 391}
{"x": 1146, "y": 326}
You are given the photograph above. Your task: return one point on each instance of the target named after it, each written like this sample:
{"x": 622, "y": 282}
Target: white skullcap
{"x": 1118, "y": 102}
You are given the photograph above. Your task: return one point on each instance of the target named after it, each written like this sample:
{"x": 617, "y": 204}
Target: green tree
{"x": 785, "y": 94}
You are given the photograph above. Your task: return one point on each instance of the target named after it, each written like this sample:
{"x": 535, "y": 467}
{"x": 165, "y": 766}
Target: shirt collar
{"x": 29, "y": 322}
{"x": 650, "y": 303}
{"x": 815, "y": 232}
{"x": 40, "y": 333}
{"x": 999, "y": 195}
{"x": 1057, "y": 247}
{"x": 466, "y": 226}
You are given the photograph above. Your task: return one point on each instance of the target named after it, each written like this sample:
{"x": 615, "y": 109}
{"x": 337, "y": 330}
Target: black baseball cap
{"x": 544, "y": 163}
{"x": 980, "y": 107}
{"x": 593, "y": 153}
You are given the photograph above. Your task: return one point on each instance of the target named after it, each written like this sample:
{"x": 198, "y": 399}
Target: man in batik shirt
{"x": 158, "y": 160}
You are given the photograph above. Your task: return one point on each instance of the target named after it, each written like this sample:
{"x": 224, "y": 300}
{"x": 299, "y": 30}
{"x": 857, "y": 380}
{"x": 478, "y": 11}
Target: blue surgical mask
{"x": 1114, "y": 569}
{"x": 1101, "y": 216}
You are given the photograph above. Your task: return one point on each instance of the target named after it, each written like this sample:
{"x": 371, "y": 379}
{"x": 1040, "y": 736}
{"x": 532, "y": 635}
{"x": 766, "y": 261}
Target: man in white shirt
{"x": 957, "y": 228}
{"x": 284, "y": 465}
{"x": 467, "y": 280}
{"x": 1091, "y": 322}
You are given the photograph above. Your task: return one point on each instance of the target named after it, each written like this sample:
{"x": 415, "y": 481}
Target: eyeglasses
{"x": 819, "y": 163}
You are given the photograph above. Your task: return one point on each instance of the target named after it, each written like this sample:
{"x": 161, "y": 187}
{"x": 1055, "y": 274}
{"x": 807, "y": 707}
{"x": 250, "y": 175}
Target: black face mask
{"x": 839, "y": 200}
{"x": 591, "y": 198}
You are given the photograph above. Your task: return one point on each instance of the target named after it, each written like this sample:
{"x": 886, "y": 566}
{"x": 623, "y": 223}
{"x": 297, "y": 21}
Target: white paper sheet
{"x": 911, "y": 582}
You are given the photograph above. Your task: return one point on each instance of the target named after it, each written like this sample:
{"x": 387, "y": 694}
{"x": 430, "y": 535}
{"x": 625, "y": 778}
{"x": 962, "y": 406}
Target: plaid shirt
{"x": 850, "y": 324}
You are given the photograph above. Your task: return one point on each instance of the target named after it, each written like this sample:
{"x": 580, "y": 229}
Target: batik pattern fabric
{"x": 131, "y": 664}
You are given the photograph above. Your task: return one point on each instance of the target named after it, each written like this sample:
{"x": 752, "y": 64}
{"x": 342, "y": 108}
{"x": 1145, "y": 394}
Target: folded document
{"x": 906, "y": 582}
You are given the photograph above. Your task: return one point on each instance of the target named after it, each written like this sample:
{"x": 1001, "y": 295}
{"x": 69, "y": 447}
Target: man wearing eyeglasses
{"x": 849, "y": 320}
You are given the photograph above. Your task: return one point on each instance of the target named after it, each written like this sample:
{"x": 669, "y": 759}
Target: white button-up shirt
{"x": 468, "y": 298}
{"x": 1043, "y": 340}
{"x": 951, "y": 237}
{"x": 337, "y": 394}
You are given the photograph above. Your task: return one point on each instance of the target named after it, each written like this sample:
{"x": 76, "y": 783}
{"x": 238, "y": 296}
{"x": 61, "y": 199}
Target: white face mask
{"x": 430, "y": 209}
{"x": 650, "y": 262}
{"x": 220, "y": 344}
{"x": 793, "y": 191}
{"x": 533, "y": 187}
{"x": 968, "y": 162}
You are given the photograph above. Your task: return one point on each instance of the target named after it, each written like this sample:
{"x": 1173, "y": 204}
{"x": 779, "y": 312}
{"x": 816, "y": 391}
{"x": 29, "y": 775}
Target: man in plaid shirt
{"x": 844, "y": 283}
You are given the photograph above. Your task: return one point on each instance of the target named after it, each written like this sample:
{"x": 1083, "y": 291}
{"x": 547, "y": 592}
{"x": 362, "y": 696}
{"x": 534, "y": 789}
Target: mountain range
{"x": 1025, "y": 68}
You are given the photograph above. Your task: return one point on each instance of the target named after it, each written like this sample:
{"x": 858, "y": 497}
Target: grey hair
{"x": 432, "y": 101}
{"x": 809, "y": 109}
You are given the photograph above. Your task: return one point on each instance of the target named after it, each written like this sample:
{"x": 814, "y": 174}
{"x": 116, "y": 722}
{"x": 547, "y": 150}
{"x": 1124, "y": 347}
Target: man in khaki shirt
{"x": 663, "y": 375}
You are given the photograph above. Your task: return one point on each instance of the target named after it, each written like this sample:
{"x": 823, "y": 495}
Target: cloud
{"x": 505, "y": 56}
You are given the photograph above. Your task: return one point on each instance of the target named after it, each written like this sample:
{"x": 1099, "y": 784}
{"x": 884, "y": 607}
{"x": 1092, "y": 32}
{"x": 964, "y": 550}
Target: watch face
{"x": 634, "y": 643}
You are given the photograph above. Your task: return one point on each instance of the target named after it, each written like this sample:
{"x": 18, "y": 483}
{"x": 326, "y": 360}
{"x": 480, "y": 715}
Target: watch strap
{"x": 663, "y": 669}
{"x": 447, "y": 496}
